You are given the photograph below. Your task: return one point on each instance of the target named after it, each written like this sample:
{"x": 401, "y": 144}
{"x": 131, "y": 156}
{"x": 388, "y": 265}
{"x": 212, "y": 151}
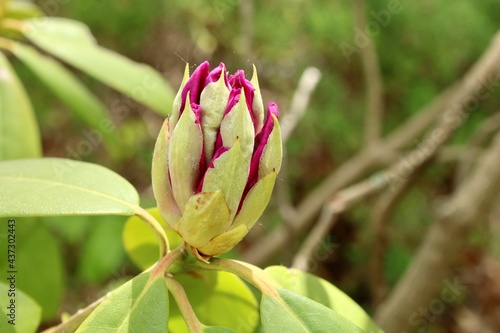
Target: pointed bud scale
{"x": 229, "y": 173}
{"x": 206, "y": 215}
{"x": 224, "y": 242}
{"x": 268, "y": 163}
{"x": 237, "y": 125}
{"x": 213, "y": 102}
{"x": 258, "y": 105}
{"x": 186, "y": 146}
{"x": 216, "y": 159}
{"x": 161, "y": 182}
{"x": 178, "y": 103}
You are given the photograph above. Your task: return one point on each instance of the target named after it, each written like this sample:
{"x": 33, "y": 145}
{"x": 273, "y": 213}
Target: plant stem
{"x": 252, "y": 274}
{"x": 177, "y": 291}
{"x": 166, "y": 262}
{"x": 157, "y": 228}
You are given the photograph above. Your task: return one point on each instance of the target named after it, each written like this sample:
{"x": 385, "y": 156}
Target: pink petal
{"x": 234, "y": 98}
{"x": 238, "y": 81}
{"x": 215, "y": 74}
{"x": 203, "y": 164}
{"x": 195, "y": 84}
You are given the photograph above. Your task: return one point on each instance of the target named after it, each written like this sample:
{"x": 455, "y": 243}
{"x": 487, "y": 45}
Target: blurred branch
{"x": 486, "y": 130}
{"x": 374, "y": 84}
{"x": 286, "y": 209}
{"x": 346, "y": 198}
{"x": 454, "y": 153}
{"x": 443, "y": 244}
{"x": 353, "y": 194}
{"x": 325, "y": 223}
{"x": 347, "y": 173}
{"x": 479, "y": 76}
{"x": 307, "y": 83}
{"x": 382, "y": 211}
{"x": 341, "y": 202}
{"x": 479, "y": 138}
{"x": 413, "y": 162}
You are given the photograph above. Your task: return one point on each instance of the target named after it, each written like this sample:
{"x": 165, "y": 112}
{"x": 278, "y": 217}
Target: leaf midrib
{"x": 288, "y": 309}
{"x": 148, "y": 285}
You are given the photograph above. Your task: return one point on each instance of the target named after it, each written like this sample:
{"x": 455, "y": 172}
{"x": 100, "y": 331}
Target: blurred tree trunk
{"x": 427, "y": 282}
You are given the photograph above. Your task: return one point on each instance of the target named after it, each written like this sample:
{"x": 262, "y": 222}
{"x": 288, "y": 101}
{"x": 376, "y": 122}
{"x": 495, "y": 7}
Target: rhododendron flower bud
{"x": 216, "y": 159}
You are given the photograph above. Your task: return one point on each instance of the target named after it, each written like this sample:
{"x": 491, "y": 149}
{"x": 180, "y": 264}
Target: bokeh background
{"x": 423, "y": 47}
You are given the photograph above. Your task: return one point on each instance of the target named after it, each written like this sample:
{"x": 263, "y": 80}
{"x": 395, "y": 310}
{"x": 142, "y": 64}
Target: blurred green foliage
{"x": 423, "y": 48}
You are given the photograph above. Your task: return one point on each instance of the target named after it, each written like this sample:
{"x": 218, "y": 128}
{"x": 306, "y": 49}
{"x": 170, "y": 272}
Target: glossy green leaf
{"x": 323, "y": 292}
{"x": 219, "y": 299}
{"x": 19, "y": 134}
{"x": 27, "y": 311}
{"x": 141, "y": 243}
{"x": 140, "y": 305}
{"x": 56, "y": 186}
{"x": 39, "y": 264}
{"x": 291, "y": 312}
{"x": 65, "y": 86}
{"x": 72, "y": 42}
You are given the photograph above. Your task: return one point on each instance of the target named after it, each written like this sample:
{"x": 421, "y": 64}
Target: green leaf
{"x": 65, "y": 86}
{"x": 292, "y": 312}
{"x": 73, "y": 229}
{"x": 140, "y": 305}
{"x": 19, "y": 134}
{"x": 323, "y": 292}
{"x": 56, "y": 186}
{"x": 5, "y": 327}
{"x": 219, "y": 299}
{"x": 72, "y": 42}
{"x": 104, "y": 237}
{"x": 39, "y": 264}
{"x": 27, "y": 312}
{"x": 141, "y": 243}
